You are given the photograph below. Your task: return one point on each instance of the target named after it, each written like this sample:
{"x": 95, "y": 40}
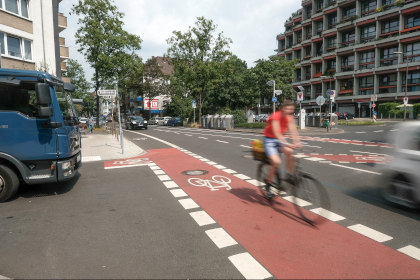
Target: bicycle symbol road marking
{"x": 215, "y": 184}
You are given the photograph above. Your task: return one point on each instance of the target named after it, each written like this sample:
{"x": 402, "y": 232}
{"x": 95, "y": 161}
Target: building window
{"x": 309, "y": 33}
{"x": 319, "y": 5}
{"x": 368, "y": 33}
{"x": 412, "y": 20}
{"x": 299, "y": 54}
{"x": 332, "y": 43}
{"x": 347, "y": 63}
{"x": 308, "y": 90}
{"x": 318, "y": 68}
{"x": 309, "y": 12}
{"x": 348, "y": 38}
{"x": 366, "y": 91}
{"x": 290, "y": 39}
{"x": 299, "y": 37}
{"x": 389, "y": 3}
{"x": 19, "y": 7}
{"x": 367, "y": 60}
{"x": 308, "y": 51}
{"x": 388, "y": 57}
{"x": 368, "y": 7}
{"x": 413, "y": 52}
{"x": 388, "y": 80}
{"x": 318, "y": 48}
{"x": 289, "y": 56}
{"x": 390, "y": 26}
{"x": 331, "y": 64}
{"x": 318, "y": 89}
{"x": 319, "y": 27}
{"x": 349, "y": 11}
{"x": 308, "y": 72}
{"x": 366, "y": 82}
{"x": 16, "y": 47}
{"x": 332, "y": 21}
{"x": 413, "y": 81}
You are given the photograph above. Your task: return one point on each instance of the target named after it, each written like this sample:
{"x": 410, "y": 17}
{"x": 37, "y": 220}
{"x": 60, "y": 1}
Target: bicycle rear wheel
{"x": 262, "y": 171}
{"x": 308, "y": 191}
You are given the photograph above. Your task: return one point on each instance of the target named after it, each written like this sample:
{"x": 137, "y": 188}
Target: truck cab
{"x": 39, "y": 134}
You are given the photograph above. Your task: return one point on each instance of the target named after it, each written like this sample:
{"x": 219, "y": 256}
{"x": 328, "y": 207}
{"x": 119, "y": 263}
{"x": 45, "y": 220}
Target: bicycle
{"x": 303, "y": 190}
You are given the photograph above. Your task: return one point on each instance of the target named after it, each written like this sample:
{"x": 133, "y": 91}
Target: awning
{"x": 330, "y": 11}
{"x": 329, "y": 57}
{"x": 298, "y": 19}
{"x": 307, "y": 24}
{"x": 317, "y": 40}
{"x": 389, "y": 16}
{"x": 318, "y": 18}
{"x": 412, "y": 68}
{"x": 317, "y": 75}
{"x": 364, "y": 75}
{"x": 412, "y": 39}
{"x": 316, "y": 61}
{"x": 411, "y": 11}
{"x": 316, "y": 82}
{"x": 346, "y": 91}
{"x": 365, "y": 48}
{"x": 330, "y": 34}
{"x": 389, "y": 33}
{"x": 282, "y": 38}
{"x": 410, "y": 29}
{"x": 366, "y": 22}
{"x": 297, "y": 29}
{"x": 281, "y": 55}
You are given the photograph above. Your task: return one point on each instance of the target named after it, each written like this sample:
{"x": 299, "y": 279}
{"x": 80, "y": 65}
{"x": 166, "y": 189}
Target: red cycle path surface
{"x": 353, "y": 158}
{"x": 287, "y": 247}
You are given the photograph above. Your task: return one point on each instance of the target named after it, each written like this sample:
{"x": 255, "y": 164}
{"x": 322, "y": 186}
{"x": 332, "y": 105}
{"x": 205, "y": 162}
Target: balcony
{"x": 63, "y": 66}
{"x": 64, "y": 53}
{"x": 62, "y": 22}
{"x": 387, "y": 83}
{"x": 62, "y": 41}
{"x": 412, "y": 81}
{"x": 347, "y": 68}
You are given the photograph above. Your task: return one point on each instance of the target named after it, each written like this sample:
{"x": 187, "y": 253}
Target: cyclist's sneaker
{"x": 268, "y": 193}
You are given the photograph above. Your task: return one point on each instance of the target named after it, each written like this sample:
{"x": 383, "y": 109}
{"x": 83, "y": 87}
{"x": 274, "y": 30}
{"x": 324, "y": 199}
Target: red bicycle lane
{"x": 276, "y": 237}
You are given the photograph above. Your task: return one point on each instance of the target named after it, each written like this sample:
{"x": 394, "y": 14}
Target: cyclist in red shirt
{"x": 274, "y": 142}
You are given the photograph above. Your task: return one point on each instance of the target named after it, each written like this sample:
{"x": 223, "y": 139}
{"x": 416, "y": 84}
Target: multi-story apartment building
{"x": 356, "y": 42}
{"x": 29, "y": 35}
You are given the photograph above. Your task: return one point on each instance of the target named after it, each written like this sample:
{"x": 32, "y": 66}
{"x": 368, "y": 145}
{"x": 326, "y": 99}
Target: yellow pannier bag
{"x": 258, "y": 149}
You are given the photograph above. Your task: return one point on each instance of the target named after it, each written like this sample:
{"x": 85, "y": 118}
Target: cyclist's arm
{"x": 277, "y": 131}
{"x": 293, "y": 131}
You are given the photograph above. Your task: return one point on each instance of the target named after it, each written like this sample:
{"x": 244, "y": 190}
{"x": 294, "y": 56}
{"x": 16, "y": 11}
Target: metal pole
{"x": 112, "y": 114}
{"x": 119, "y": 121}
{"x": 274, "y": 89}
{"x": 330, "y": 103}
{"x": 406, "y": 85}
{"x": 194, "y": 114}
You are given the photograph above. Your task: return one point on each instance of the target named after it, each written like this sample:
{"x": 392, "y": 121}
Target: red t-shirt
{"x": 284, "y": 124}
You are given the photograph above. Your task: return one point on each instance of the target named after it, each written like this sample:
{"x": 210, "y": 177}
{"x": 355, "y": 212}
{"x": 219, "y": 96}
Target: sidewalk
{"x": 103, "y": 146}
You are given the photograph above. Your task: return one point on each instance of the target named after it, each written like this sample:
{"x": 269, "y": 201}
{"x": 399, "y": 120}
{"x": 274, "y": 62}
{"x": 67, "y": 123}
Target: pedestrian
{"x": 90, "y": 123}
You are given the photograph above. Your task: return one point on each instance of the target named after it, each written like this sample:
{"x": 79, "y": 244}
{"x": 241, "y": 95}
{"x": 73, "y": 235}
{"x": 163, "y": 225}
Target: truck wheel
{"x": 9, "y": 183}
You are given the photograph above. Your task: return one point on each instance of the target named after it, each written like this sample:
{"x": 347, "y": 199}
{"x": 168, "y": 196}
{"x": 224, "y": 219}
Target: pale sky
{"x": 252, "y": 25}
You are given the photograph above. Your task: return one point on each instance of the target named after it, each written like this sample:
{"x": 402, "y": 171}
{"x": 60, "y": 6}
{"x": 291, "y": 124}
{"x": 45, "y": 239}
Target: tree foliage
{"x": 102, "y": 39}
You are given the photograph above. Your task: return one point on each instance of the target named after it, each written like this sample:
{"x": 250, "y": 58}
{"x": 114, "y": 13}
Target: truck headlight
{"x": 66, "y": 165}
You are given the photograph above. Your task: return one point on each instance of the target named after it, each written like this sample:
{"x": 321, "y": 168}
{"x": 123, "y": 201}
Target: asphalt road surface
{"x": 147, "y": 218}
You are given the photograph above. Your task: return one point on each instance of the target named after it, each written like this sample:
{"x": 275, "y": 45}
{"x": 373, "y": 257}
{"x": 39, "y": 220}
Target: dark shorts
{"x": 272, "y": 146}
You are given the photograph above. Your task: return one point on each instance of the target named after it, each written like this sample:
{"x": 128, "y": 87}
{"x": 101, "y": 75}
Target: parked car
{"x": 176, "y": 121}
{"x": 134, "y": 122}
{"x": 153, "y": 121}
{"x": 163, "y": 121}
{"x": 345, "y": 116}
{"x": 83, "y": 120}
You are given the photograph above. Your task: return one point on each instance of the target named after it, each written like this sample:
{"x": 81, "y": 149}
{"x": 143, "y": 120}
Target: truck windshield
{"x": 67, "y": 107}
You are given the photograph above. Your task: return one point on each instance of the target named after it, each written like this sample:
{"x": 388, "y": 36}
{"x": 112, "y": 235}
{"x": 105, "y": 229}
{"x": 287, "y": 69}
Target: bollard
{"x": 389, "y": 116}
{"x": 381, "y": 116}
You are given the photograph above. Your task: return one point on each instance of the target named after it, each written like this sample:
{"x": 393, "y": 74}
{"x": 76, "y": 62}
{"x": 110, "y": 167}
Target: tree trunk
{"x": 123, "y": 103}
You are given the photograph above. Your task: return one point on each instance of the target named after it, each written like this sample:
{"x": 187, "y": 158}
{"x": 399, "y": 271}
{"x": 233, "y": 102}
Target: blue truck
{"x": 39, "y": 134}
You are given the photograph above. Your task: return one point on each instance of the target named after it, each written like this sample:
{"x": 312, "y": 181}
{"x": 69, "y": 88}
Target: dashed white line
{"x": 222, "y": 141}
{"x": 178, "y": 193}
{"x": 249, "y": 267}
{"x": 297, "y": 201}
{"x": 203, "y": 138}
{"x": 202, "y": 218}
{"x": 221, "y": 238}
{"x": 188, "y": 203}
{"x": 379, "y": 131}
{"x": 204, "y": 159}
{"x": 255, "y": 182}
{"x": 371, "y": 233}
{"x": 300, "y": 156}
{"x": 246, "y": 146}
{"x": 411, "y": 251}
{"x": 170, "y": 184}
{"x": 327, "y": 214}
{"x": 154, "y": 167}
{"x": 198, "y": 157}
{"x": 159, "y": 172}
{"x": 361, "y": 132}
{"x": 325, "y": 161}
{"x": 211, "y": 163}
{"x": 343, "y": 162}
{"x": 230, "y": 171}
{"x": 348, "y": 167}
{"x": 164, "y": 178}
{"x": 314, "y": 159}
{"x": 394, "y": 130}
{"x": 220, "y": 166}
{"x": 242, "y": 176}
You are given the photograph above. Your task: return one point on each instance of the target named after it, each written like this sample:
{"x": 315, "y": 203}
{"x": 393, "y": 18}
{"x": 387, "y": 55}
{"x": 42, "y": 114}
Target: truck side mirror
{"x": 69, "y": 87}
{"x": 43, "y": 95}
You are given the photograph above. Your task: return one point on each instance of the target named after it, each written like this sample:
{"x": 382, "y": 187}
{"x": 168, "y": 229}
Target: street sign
{"x": 373, "y": 105}
{"x": 300, "y": 96}
{"x": 359, "y": 104}
{"x": 370, "y": 104}
{"x": 105, "y": 92}
{"x": 278, "y": 92}
{"x": 194, "y": 104}
{"x": 374, "y": 98}
{"x": 332, "y": 99}
{"x": 274, "y": 99}
{"x": 405, "y": 100}
{"x": 375, "y": 113}
{"x": 332, "y": 93}
{"x": 320, "y": 100}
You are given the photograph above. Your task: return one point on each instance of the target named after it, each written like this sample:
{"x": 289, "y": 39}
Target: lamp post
{"x": 406, "y": 81}
{"x": 329, "y": 97}
{"x": 273, "y": 83}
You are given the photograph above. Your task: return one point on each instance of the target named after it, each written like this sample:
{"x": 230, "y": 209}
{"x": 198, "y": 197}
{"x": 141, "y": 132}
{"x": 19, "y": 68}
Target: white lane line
{"x": 211, "y": 163}
{"x": 202, "y": 218}
{"x": 220, "y": 166}
{"x": 411, "y": 251}
{"x": 178, "y": 193}
{"x": 3, "y": 277}
{"x": 230, "y": 171}
{"x": 221, "y": 238}
{"x": 204, "y": 159}
{"x": 164, "y": 177}
{"x": 154, "y": 167}
{"x": 300, "y": 156}
{"x": 342, "y": 154}
{"x": 242, "y": 176}
{"x": 159, "y": 172}
{"x": 314, "y": 159}
{"x": 314, "y": 154}
{"x": 327, "y": 214}
{"x": 222, "y": 141}
{"x": 371, "y": 233}
{"x": 394, "y": 130}
{"x": 185, "y": 134}
{"x": 368, "y": 153}
{"x": 328, "y": 154}
{"x": 256, "y": 183}
{"x": 170, "y": 184}
{"x": 348, "y": 167}
{"x": 312, "y": 146}
{"x": 326, "y": 161}
{"x": 249, "y": 267}
{"x": 188, "y": 203}
{"x": 343, "y": 162}
{"x": 299, "y": 202}
{"x": 198, "y": 157}
{"x": 246, "y": 146}
{"x": 91, "y": 158}
{"x": 379, "y": 131}
{"x": 361, "y": 132}
{"x": 203, "y": 138}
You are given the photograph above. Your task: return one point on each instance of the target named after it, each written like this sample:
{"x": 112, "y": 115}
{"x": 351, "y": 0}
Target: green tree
{"x": 102, "y": 40}
{"x": 196, "y": 56}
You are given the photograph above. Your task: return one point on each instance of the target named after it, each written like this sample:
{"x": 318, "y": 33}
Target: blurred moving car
{"x": 134, "y": 122}
{"x": 402, "y": 179}
{"x": 345, "y": 116}
{"x": 83, "y": 120}
{"x": 163, "y": 121}
{"x": 176, "y": 121}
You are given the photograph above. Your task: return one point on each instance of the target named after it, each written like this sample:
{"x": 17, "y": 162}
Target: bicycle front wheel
{"x": 308, "y": 191}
